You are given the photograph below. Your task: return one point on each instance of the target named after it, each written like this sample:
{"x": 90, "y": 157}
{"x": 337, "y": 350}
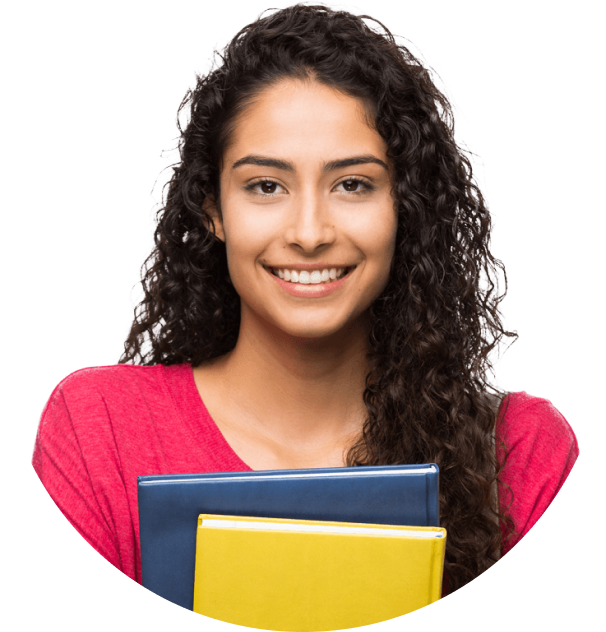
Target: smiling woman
{"x": 309, "y": 226}
{"x": 321, "y": 294}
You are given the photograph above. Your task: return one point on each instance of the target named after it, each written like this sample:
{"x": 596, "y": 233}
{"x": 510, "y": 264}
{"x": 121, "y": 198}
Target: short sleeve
{"x": 541, "y": 449}
{"x": 60, "y": 462}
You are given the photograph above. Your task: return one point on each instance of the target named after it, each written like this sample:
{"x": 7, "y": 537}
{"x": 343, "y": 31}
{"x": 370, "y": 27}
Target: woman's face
{"x": 305, "y": 196}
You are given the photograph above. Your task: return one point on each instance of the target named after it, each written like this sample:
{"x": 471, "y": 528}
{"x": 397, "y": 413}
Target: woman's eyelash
{"x": 366, "y": 186}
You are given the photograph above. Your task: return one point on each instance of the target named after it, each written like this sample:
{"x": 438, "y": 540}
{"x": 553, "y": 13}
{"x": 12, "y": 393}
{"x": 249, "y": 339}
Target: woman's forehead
{"x": 305, "y": 120}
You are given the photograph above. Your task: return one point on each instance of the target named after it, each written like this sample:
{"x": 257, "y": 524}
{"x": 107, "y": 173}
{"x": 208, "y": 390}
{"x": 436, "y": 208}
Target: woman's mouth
{"x": 311, "y": 277}
{"x": 311, "y": 284}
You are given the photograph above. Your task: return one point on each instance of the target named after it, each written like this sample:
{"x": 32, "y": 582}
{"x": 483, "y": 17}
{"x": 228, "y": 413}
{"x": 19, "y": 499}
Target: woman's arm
{"x": 95, "y": 586}
{"x": 556, "y": 567}
{"x": 56, "y": 569}
{"x": 72, "y": 457}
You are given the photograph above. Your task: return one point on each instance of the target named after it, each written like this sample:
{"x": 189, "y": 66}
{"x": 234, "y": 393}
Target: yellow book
{"x": 307, "y": 575}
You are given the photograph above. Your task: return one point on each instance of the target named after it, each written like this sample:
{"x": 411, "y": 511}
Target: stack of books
{"x": 309, "y": 550}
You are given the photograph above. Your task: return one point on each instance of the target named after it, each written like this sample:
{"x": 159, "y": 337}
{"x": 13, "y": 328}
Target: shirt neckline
{"x": 191, "y": 407}
{"x": 209, "y": 438}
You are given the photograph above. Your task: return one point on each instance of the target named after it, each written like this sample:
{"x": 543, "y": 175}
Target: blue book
{"x": 169, "y": 506}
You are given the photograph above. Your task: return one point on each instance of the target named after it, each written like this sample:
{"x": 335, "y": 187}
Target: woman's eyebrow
{"x": 286, "y": 165}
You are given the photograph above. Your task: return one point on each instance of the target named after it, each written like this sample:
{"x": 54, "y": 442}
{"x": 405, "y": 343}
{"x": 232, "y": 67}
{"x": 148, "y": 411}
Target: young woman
{"x": 321, "y": 294}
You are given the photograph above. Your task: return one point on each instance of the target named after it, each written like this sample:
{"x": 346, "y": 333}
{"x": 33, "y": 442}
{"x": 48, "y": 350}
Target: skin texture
{"x": 290, "y": 393}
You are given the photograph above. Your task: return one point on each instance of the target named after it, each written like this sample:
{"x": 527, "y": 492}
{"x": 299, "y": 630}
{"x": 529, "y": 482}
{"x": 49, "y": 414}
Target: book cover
{"x": 313, "y": 575}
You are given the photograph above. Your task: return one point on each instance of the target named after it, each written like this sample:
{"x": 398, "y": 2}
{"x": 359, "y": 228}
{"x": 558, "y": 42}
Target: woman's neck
{"x": 299, "y": 392}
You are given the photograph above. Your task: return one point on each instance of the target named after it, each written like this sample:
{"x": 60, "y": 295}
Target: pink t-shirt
{"x": 102, "y": 427}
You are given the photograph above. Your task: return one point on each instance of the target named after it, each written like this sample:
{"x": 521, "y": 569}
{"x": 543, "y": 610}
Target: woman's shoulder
{"x": 108, "y": 395}
{"x": 537, "y": 449}
{"x": 115, "y": 374}
{"x": 526, "y": 419}
{"x": 119, "y": 381}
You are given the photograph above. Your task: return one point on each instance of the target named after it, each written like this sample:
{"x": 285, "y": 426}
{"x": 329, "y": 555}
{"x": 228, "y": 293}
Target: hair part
{"x": 436, "y": 323}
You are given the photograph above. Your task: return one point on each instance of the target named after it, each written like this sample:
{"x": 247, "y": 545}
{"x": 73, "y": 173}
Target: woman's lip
{"x": 308, "y": 266}
{"x": 310, "y": 290}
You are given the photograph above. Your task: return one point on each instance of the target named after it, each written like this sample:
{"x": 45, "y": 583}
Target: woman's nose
{"x": 311, "y": 225}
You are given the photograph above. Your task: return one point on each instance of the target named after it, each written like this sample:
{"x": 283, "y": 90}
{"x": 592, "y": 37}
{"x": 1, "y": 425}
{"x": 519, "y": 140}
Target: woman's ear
{"x": 210, "y": 209}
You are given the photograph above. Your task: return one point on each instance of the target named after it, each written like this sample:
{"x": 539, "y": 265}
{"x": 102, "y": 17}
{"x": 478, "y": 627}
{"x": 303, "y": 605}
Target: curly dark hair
{"x": 427, "y": 394}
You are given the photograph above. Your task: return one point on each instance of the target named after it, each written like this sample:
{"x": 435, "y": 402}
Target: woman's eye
{"x": 353, "y": 186}
{"x": 358, "y": 186}
{"x": 264, "y": 185}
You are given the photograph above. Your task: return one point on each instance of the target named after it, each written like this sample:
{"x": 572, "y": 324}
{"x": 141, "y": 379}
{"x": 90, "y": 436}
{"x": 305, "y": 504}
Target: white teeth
{"x": 313, "y": 277}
